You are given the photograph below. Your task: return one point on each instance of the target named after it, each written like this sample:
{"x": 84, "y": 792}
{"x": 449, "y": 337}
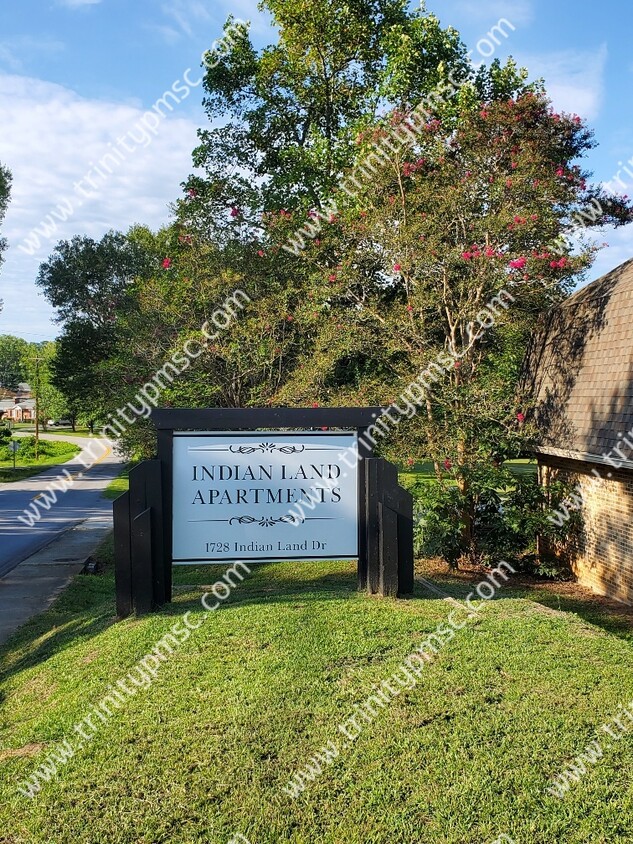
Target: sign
{"x": 232, "y": 484}
{"x": 264, "y": 496}
{"x": 13, "y": 446}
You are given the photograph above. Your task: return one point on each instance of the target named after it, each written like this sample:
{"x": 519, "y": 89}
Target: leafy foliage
{"x": 509, "y": 514}
{"x": 12, "y": 366}
{"x": 5, "y": 192}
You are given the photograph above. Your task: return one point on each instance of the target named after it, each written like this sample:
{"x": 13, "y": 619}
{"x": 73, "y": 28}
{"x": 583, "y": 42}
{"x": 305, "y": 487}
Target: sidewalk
{"x": 32, "y": 586}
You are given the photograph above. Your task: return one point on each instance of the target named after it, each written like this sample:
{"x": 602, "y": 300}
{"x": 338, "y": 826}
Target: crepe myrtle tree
{"x": 439, "y": 270}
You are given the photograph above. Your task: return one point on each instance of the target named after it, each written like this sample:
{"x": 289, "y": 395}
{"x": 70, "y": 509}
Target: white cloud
{"x": 51, "y": 139}
{"x": 187, "y": 14}
{"x": 77, "y": 4}
{"x": 619, "y": 250}
{"x": 14, "y": 52}
{"x": 573, "y": 79}
{"x": 190, "y": 17}
{"x": 488, "y": 12}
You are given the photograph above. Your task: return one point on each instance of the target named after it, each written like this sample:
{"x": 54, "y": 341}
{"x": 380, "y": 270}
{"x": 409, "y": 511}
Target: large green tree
{"x": 38, "y": 361}
{"x": 289, "y": 114}
{"x": 12, "y": 367}
{"x": 91, "y": 283}
{"x": 5, "y": 193}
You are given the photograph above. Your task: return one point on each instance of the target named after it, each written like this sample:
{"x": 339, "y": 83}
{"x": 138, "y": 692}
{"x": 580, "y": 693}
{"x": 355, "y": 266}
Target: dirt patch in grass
{"x": 20, "y": 752}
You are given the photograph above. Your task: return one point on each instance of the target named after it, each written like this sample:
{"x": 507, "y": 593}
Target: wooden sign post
{"x": 261, "y": 485}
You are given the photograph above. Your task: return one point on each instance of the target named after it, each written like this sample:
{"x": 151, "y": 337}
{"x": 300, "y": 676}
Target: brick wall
{"x": 601, "y": 556}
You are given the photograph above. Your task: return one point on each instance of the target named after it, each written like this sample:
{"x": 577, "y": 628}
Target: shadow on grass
{"x": 81, "y": 612}
{"x": 613, "y": 617}
{"x": 87, "y": 608}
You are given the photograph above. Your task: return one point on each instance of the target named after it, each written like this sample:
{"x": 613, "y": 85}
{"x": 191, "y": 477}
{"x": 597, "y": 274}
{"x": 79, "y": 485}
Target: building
{"x": 17, "y": 410}
{"x": 580, "y": 372}
{"x": 17, "y": 405}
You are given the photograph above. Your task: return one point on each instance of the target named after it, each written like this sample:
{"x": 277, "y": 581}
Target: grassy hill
{"x": 208, "y": 750}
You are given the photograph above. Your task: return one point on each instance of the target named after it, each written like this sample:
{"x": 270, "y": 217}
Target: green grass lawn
{"x": 204, "y": 753}
{"x": 425, "y": 472}
{"x": 78, "y": 432}
{"x": 29, "y": 428}
{"x": 58, "y": 452}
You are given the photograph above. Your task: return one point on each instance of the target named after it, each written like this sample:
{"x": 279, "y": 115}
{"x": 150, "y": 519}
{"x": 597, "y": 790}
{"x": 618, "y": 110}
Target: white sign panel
{"x": 264, "y": 496}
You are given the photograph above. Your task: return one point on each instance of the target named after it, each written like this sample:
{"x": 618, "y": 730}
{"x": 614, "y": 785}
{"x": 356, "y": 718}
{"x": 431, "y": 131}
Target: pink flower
{"x": 410, "y": 461}
{"x": 166, "y": 263}
{"x": 560, "y": 171}
{"x": 520, "y": 417}
{"x": 448, "y": 464}
{"x": 483, "y": 114}
{"x": 332, "y": 277}
{"x": 260, "y": 252}
{"x": 409, "y": 308}
{"x": 192, "y": 193}
{"x": 508, "y": 183}
{"x": 289, "y": 318}
{"x": 312, "y": 214}
{"x": 315, "y": 404}
{"x": 467, "y": 256}
{"x": 490, "y": 252}
{"x": 518, "y": 263}
{"x": 457, "y": 364}
{"x": 235, "y": 212}
{"x": 397, "y": 268}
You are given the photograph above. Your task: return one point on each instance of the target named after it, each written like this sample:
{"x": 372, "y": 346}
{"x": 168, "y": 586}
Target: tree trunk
{"x": 467, "y": 515}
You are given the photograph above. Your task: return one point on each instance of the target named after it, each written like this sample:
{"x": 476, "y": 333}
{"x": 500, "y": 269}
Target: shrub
{"x": 508, "y": 513}
{"x": 47, "y": 449}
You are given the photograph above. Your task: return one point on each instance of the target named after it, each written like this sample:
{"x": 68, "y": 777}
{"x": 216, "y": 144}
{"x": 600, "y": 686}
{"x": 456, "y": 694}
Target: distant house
{"x": 17, "y": 409}
{"x": 580, "y": 371}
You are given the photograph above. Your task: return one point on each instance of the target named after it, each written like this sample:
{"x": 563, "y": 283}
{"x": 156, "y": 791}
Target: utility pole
{"x": 37, "y": 408}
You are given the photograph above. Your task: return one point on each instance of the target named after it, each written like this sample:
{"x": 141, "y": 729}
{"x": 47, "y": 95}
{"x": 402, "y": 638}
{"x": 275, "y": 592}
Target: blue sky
{"x": 76, "y": 75}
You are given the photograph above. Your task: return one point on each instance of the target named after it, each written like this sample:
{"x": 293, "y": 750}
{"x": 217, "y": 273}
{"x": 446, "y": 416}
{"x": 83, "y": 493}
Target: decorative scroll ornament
{"x": 267, "y": 447}
{"x": 266, "y": 521}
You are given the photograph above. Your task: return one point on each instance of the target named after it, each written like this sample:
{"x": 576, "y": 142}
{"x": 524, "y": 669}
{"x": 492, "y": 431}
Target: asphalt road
{"x": 83, "y": 500}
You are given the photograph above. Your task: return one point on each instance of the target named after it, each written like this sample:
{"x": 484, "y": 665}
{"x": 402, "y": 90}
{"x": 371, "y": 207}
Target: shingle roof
{"x": 580, "y": 367}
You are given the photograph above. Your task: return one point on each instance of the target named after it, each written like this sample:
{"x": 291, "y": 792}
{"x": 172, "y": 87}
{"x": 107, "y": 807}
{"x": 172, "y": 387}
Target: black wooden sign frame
{"x": 143, "y": 516}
